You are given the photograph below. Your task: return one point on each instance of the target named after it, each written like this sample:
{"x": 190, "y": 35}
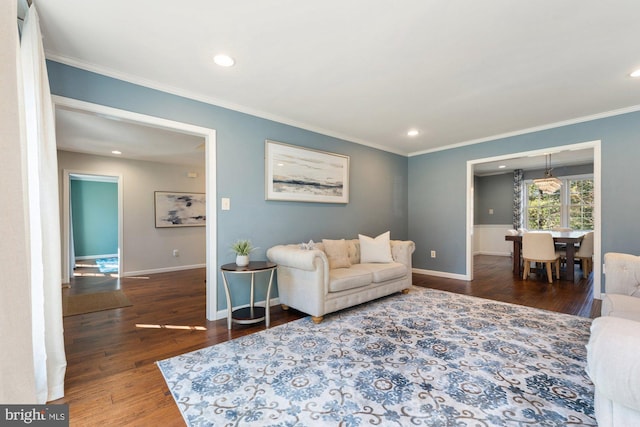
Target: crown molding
{"x": 210, "y": 100}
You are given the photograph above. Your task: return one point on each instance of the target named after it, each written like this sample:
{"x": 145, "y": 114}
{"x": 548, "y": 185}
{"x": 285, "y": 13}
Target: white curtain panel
{"x": 44, "y": 216}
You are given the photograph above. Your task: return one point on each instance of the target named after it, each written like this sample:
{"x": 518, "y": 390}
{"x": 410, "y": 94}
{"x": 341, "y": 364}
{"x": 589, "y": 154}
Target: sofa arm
{"x": 612, "y": 360}
{"x": 622, "y": 274}
{"x": 294, "y": 257}
{"x": 401, "y": 251}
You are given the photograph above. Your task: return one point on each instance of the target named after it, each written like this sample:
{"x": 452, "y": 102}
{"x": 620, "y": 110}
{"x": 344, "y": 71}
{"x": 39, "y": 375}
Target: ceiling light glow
{"x": 116, "y": 152}
{"x": 635, "y": 73}
{"x": 502, "y": 166}
{"x": 224, "y": 60}
{"x": 413, "y": 132}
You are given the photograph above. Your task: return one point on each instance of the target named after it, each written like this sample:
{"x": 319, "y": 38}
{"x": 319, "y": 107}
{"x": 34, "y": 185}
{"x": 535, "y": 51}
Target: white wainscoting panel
{"x": 489, "y": 240}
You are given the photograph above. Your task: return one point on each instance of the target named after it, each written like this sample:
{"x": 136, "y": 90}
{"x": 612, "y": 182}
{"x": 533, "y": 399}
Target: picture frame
{"x": 179, "y": 209}
{"x": 299, "y": 174}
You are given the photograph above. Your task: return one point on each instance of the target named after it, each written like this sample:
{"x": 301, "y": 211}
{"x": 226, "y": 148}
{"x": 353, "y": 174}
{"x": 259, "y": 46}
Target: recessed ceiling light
{"x": 223, "y": 60}
{"x": 116, "y": 152}
{"x": 636, "y": 73}
{"x": 413, "y": 132}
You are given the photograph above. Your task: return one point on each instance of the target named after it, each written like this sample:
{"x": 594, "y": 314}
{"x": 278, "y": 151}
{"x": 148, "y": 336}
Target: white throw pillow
{"x": 375, "y": 250}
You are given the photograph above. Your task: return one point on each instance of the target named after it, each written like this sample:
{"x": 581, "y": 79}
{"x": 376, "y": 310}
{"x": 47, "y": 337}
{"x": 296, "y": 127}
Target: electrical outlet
{"x": 176, "y": 252}
{"x": 433, "y": 254}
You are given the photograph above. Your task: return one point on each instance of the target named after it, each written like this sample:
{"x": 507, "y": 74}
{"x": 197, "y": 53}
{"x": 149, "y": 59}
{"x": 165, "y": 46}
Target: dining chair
{"x": 539, "y": 247}
{"x": 585, "y": 254}
{"x": 561, "y": 245}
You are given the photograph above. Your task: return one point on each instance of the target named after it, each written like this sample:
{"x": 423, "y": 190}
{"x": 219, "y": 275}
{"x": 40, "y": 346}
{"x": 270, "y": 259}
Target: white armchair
{"x": 613, "y": 363}
{"x": 622, "y": 286}
{"x": 614, "y": 367}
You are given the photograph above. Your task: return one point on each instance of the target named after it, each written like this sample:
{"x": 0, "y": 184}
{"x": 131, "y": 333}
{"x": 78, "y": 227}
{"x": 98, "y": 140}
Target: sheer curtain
{"x": 44, "y": 216}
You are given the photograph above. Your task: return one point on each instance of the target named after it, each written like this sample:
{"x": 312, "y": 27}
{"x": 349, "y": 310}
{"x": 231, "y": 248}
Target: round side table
{"x": 251, "y": 314}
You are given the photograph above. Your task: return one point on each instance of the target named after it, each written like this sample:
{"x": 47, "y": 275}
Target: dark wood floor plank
{"x": 112, "y": 378}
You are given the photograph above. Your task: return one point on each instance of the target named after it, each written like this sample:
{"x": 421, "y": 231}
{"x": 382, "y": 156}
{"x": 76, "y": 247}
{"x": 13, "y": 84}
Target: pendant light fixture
{"x": 549, "y": 184}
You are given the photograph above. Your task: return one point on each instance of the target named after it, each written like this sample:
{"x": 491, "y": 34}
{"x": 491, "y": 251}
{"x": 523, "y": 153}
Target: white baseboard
{"x": 222, "y": 314}
{"x": 82, "y": 258}
{"x": 442, "y": 274}
{"x": 161, "y": 270}
{"x": 493, "y": 253}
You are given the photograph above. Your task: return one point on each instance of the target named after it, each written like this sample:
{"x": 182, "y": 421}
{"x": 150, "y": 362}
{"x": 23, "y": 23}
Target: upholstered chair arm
{"x": 612, "y": 361}
{"x": 622, "y": 274}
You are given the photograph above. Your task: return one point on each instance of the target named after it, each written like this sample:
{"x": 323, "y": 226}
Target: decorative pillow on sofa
{"x": 337, "y": 252}
{"x": 375, "y": 250}
{"x": 308, "y": 246}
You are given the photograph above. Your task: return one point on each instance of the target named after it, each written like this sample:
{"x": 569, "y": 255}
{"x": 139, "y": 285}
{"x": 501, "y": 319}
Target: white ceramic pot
{"x": 242, "y": 260}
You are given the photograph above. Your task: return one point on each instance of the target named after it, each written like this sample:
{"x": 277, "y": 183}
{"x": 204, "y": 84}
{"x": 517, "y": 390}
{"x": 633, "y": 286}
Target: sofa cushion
{"x": 337, "y": 253}
{"x": 341, "y": 279}
{"x": 383, "y": 272}
{"x": 375, "y": 249}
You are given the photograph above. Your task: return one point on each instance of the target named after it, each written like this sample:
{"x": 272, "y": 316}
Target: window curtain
{"x": 44, "y": 216}
{"x": 517, "y": 198}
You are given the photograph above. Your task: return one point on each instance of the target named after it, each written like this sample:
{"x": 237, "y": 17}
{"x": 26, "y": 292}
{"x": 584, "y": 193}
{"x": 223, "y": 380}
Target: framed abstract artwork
{"x": 175, "y": 209}
{"x": 304, "y": 175}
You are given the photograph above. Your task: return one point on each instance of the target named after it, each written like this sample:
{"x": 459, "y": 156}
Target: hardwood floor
{"x": 493, "y": 279}
{"x": 111, "y": 375}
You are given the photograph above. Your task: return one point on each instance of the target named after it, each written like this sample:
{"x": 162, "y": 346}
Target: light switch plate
{"x": 226, "y": 204}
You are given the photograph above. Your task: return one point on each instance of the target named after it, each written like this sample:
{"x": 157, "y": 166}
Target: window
{"x": 543, "y": 211}
{"x": 581, "y": 204}
{"x": 571, "y": 206}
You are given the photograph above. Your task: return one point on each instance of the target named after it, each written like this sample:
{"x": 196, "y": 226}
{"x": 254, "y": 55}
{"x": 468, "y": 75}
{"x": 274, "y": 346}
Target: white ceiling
{"x": 89, "y": 133}
{"x": 460, "y": 71}
{"x": 556, "y": 159}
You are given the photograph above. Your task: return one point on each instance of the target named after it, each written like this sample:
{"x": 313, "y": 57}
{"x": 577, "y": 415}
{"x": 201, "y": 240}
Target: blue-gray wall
{"x": 422, "y": 198}
{"x": 94, "y": 207}
{"x": 437, "y": 188}
{"x": 378, "y": 179}
{"x": 560, "y": 171}
{"x": 493, "y": 192}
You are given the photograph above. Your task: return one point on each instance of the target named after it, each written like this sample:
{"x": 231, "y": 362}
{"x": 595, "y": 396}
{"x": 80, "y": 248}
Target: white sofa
{"x": 307, "y": 283}
{"x": 613, "y": 351}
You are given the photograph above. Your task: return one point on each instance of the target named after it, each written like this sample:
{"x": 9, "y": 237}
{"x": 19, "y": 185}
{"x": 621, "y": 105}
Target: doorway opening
{"x": 592, "y": 145}
{"x": 95, "y": 224}
{"x": 207, "y": 135}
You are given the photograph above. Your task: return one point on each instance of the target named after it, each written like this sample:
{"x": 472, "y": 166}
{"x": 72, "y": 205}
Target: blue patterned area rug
{"x": 107, "y": 265}
{"x": 427, "y": 358}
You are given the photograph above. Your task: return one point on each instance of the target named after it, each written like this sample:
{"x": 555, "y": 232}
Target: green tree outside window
{"x": 571, "y": 206}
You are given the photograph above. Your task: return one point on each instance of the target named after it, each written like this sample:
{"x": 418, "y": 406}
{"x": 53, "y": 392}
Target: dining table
{"x": 570, "y": 238}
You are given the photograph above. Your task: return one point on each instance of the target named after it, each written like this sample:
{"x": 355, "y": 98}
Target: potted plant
{"x": 242, "y": 249}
